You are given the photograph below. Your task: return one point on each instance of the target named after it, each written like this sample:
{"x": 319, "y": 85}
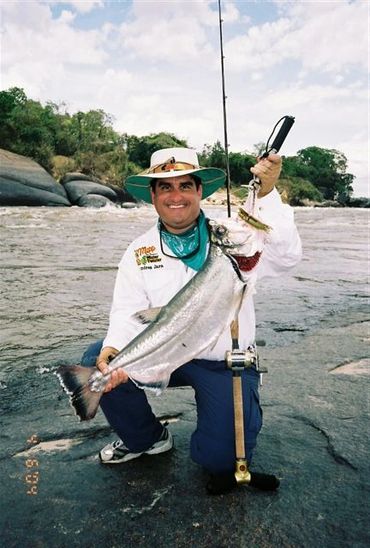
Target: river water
{"x": 58, "y": 268}
{"x": 57, "y": 273}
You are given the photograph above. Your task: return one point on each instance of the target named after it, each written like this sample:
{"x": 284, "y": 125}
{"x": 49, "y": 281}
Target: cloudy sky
{"x": 155, "y": 66}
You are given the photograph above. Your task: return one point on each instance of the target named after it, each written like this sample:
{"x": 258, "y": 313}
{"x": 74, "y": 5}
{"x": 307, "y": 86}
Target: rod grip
{"x": 282, "y": 133}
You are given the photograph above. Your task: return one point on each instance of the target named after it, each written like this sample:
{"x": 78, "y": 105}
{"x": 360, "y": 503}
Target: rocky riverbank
{"x": 23, "y": 182}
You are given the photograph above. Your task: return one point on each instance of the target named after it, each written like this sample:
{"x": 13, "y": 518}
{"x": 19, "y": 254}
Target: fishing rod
{"x": 238, "y": 360}
{"x": 224, "y": 97}
{"x": 286, "y": 126}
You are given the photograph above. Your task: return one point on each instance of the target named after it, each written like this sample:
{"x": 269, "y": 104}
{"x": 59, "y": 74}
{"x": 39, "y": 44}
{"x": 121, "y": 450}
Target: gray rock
{"x": 77, "y": 176}
{"x": 24, "y": 182}
{"x": 120, "y": 194}
{"x": 14, "y": 193}
{"x": 77, "y": 189}
{"x": 93, "y": 200}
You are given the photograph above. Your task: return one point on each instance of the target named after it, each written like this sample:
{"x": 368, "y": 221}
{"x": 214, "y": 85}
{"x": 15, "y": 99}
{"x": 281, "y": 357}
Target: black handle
{"x": 280, "y": 137}
{"x": 283, "y": 132}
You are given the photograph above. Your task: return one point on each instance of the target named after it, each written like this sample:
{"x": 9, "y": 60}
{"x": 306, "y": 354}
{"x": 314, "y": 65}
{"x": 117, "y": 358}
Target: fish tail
{"x": 75, "y": 382}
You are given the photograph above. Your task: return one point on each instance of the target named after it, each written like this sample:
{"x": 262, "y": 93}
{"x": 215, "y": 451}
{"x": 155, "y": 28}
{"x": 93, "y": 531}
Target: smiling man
{"x": 177, "y": 200}
{"x": 156, "y": 266}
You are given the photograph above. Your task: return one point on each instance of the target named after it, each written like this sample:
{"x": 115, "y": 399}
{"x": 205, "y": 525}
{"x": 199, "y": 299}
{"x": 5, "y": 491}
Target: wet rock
{"x": 14, "y": 193}
{"x": 93, "y": 200}
{"x": 23, "y": 182}
{"x": 88, "y": 191}
{"x": 79, "y": 189}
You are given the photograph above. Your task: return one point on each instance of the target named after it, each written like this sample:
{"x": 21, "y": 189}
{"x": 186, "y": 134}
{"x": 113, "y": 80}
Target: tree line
{"x": 87, "y": 142}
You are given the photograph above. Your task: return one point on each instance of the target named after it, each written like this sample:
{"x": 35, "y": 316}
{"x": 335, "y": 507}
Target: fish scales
{"x": 191, "y": 322}
{"x": 211, "y": 299}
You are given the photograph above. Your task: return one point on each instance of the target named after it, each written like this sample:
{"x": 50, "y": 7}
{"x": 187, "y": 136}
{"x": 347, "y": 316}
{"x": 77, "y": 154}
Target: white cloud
{"x": 32, "y": 37}
{"x": 156, "y": 67}
{"x": 168, "y": 31}
{"x": 326, "y": 36}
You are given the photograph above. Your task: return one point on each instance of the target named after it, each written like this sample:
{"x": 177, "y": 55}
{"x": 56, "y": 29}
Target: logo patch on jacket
{"x": 147, "y": 258}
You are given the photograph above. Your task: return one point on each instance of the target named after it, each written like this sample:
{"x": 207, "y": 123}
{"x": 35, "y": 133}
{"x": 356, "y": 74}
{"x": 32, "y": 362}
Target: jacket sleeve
{"x": 128, "y": 298}
{"x": 283, "y": 249}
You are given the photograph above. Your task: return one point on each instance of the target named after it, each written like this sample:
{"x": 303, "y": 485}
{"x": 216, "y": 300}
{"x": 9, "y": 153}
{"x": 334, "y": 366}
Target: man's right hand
{"x": 118, "y": 376}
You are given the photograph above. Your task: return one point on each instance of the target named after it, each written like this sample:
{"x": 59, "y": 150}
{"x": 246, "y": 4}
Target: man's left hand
{"x": 268, "y": 171}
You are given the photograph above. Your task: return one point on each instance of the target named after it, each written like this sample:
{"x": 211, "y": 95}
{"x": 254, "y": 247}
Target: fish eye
{"x": 220, "y": 230}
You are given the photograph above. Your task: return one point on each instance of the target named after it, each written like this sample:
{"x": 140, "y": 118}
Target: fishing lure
{"x": 253, "y": 221}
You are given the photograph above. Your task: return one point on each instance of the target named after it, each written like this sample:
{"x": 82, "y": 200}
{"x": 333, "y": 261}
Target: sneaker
{"x": 117, "y": 452}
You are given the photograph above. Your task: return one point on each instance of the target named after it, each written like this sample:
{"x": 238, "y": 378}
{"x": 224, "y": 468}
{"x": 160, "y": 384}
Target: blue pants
{"x": 213, "y": 442}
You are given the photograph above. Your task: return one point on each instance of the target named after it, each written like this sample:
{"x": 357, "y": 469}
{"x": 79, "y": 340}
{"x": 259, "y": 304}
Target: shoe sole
{"x": 132, "y": 456}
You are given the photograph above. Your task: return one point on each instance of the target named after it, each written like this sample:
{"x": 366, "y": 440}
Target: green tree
{"x": 9, "y": 100}
{"x": 297, "y": 191}
{"x": 93, "y": 132}
{"x": 325, "y": 168}
{"x": 213, "y": 156}
{"x": 240, "y": 163}
{"x": 140, "y": 149}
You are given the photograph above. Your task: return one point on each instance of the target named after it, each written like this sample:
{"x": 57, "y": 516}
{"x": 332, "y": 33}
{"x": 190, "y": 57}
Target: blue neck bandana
{"x": 190, "y": 246}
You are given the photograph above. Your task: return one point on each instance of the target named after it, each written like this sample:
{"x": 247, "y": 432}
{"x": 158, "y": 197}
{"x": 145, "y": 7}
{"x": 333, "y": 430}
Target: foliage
{"x": 298, "y": 191}
{"x": 62, "y": 165}
{"x": 239, "y": 163}
{"x": 325, "y": 168}
{"x": 140, "y": 149}
{"x": 86, "y": 141}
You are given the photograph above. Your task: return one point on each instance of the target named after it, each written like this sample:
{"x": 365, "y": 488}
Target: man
{"x": 153, "y": 269}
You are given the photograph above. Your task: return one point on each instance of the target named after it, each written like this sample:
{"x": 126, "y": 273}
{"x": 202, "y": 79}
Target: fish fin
{"x": 147, "y": 316}
{"x": 74, "y": 380}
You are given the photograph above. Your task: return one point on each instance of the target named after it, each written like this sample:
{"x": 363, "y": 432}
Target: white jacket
{"x": 146, "y": 278}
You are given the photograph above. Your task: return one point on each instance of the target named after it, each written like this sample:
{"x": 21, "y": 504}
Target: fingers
{"x": 106, "y": 355}
{"x": 117, "y": 377}
{"x": 268, "y": 171}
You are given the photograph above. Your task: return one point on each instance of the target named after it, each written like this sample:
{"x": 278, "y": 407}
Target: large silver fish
{"x": 190, "y": 323}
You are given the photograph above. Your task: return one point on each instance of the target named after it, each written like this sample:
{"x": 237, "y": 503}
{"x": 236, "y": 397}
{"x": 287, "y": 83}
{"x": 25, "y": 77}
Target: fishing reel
{"x": 238, "y": 360}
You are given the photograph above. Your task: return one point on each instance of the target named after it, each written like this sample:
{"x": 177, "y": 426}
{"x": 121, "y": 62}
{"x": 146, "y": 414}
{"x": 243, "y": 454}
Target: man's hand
{"x": 118, "y": 376}
{"x": 268, "y": 171}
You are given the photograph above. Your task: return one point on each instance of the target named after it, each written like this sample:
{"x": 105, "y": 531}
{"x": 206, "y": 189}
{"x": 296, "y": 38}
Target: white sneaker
{"x": 117, "y": 452}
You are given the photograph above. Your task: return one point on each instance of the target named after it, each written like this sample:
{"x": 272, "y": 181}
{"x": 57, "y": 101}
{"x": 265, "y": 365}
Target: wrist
{"x": 262, "y": 193}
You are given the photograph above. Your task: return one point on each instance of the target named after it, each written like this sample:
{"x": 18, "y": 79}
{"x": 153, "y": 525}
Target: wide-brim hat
{"x": 172, "y": 162}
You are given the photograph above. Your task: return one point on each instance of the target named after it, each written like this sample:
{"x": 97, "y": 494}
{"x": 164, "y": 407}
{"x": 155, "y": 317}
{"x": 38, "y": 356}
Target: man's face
{"x": 177, "y": 201}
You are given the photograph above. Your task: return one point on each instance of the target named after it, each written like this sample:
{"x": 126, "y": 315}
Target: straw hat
{"x": 172, "y": 162}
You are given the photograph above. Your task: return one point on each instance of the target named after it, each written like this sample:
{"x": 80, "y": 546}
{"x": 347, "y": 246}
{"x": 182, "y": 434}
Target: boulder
{"x": 23, "y": 182}
{"x": 93, "y": 200}
{"x": 14, "y": 193}
{"x": 78, "y": 189}
{"x": 77, "y": 176}
{"x": 81, "y": 187}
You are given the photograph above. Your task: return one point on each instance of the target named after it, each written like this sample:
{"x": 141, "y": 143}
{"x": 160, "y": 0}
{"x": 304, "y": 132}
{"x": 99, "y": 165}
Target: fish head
{"x": 234, "y": 236}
